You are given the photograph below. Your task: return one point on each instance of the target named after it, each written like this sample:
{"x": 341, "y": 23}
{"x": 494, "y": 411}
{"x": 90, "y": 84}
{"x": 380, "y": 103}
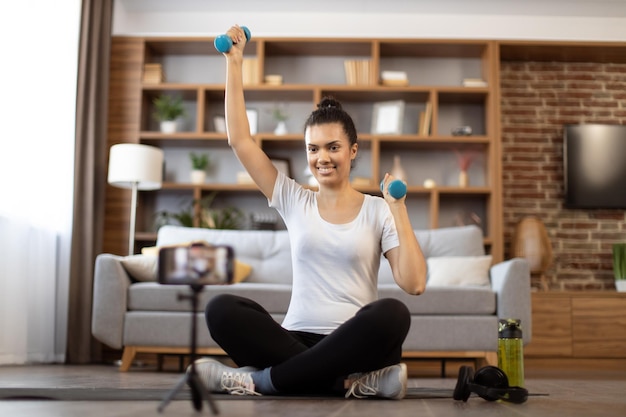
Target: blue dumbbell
{"x": 396, "y": 188}
{"x": 223, "y": 43}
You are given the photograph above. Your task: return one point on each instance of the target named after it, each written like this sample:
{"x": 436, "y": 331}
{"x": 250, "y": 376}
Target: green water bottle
{"x": 511, "y": 351}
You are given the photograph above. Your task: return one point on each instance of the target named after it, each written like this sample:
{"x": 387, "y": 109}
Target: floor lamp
{"x": 138, "y": 167}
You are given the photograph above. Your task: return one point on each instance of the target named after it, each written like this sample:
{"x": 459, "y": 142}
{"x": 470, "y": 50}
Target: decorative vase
{"x": 168, "y": 126}
{"x": 620, "y": 285}
{"x": 463, "y": 179}
{"x": 397, "y": 170}
{"x": 281, "y": 128}
{"x": 198, "y": 176}
{"x": 531, "y": 241}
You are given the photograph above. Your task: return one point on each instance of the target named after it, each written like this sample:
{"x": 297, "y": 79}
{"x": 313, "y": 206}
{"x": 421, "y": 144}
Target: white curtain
{"x": 28, "y": 267}
{"x": 39, "y": 44}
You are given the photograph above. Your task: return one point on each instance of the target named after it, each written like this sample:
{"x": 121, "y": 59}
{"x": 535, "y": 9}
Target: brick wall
{"x": 538, "y": 98}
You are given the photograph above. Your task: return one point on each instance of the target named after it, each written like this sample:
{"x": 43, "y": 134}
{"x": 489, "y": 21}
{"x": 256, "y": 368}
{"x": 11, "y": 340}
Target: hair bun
{"x": 329, "y": 102}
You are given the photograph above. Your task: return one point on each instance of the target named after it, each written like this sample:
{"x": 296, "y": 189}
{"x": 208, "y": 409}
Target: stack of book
{"x": 153, "y": 74}
{"x": 250, "y": 71}
{"x": 273, "y": 79}
{"x": 474, "y": 82}
{"x": 394, "y": 78}
{"x": 357, "y": 72}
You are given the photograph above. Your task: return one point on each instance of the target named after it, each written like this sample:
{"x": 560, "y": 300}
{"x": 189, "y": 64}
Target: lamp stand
{"x": 133, "y": 217}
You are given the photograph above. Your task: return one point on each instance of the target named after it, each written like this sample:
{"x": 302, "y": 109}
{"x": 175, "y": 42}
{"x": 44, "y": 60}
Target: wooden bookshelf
{"x": 312, "y": 68}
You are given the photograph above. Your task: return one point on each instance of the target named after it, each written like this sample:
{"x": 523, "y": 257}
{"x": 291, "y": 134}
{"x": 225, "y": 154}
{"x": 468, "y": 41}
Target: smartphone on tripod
{"x": 196, "y": 264}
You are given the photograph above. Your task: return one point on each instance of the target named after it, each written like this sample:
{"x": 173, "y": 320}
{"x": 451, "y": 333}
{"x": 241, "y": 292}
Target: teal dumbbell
{"x": 396, "y": 188}
{"x": 223, "y": 43}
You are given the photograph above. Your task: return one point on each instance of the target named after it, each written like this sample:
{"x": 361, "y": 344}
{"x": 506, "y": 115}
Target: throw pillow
{"x": 458, "y": 270}
{"x": 141, "y": 267}
{"x": 144, "y": 267}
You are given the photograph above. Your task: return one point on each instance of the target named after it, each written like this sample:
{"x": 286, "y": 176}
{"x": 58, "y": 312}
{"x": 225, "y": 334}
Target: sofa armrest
{"x": 110, "y": 293}
{"x": 511, "y": 282}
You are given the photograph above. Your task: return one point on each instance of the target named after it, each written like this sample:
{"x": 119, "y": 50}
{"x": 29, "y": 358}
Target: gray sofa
{"x": 450, "y": 320}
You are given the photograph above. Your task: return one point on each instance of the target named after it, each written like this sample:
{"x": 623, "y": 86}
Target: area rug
{"x": 154, "y": 394}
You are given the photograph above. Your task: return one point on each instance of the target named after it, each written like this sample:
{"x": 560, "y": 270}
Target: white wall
{"x": 581, "y": 20}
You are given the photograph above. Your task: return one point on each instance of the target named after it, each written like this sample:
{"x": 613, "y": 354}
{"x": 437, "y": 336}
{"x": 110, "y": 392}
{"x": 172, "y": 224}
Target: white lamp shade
{"x": 131, "y": 163}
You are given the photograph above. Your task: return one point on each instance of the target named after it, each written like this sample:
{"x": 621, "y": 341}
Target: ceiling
{"x": 586, "y": 8}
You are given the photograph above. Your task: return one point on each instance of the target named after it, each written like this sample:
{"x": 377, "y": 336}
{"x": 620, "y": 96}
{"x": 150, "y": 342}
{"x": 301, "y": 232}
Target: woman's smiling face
{"x": 329, "y": 153}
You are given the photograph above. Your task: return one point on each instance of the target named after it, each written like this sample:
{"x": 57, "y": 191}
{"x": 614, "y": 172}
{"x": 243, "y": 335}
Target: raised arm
{"x": 407, "y": 260}
{"x": 251, "y": 156}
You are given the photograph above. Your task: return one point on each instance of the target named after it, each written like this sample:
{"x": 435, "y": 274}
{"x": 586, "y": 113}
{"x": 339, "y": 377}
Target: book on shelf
{"x": 425, "y": 120}
{"x": 357, "y": 71}
{"x": 250, "y": 71}
{"x": 474, "y": 82}
{"x": 153, "y": 73}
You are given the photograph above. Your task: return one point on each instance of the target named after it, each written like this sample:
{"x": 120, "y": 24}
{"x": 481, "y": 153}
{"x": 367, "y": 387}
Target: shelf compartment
{"x": 462, "y": 108}
{"x": 434, "y": 63}
{"x": 190, "y": 59}
{"x": 437, "y": 164}
{"x": 459, "y": 210}
{"x": 314, "y": 61}
{"x": 189, "y": 94}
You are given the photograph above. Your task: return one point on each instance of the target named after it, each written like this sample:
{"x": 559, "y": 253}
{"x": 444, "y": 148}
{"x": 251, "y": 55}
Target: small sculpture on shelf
{"x": 462, "y": 131}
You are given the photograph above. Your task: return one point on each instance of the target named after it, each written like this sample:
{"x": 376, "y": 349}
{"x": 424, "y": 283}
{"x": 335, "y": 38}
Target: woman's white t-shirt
{"x": 335, "y": 266}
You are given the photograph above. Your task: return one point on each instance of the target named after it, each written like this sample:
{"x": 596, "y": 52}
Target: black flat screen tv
{"x": 594, "y": 157}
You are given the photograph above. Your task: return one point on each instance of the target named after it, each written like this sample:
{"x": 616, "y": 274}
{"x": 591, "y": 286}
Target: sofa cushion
{"x": 446, "y": 271}
{"x": 444, "y": 300}
{"x": 266, "y": 251}
{"x": 451, "y": 241}
{"x": 448, "y": 241}
{"x": 151, "y": 296}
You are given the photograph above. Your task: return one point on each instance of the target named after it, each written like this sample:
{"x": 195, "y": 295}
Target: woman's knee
{"x": 392, "y": 307}
{"x": 391, "y": 313}
{"x": 218, "y": 308}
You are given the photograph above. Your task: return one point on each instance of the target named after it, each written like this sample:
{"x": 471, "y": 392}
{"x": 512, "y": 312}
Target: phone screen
{"x": 196, "y": 264}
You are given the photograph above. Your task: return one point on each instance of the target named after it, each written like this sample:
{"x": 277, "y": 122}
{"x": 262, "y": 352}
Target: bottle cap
{"x": 510, "y": 329}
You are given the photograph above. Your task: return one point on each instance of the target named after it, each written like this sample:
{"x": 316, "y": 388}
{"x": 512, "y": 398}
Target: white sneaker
{"x": 389, "y": 382}
{"x": 222, "y": 378}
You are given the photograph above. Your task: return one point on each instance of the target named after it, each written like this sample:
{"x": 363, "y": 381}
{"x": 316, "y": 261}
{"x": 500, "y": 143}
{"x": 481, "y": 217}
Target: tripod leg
{"x": 198, "y": 390}
{"x": 196, "y": 397}
{"x": 170, "y": 395}
{"x": 201, "y": 389}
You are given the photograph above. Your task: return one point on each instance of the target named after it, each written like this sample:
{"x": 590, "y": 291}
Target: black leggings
{"x": 307, "y": 362}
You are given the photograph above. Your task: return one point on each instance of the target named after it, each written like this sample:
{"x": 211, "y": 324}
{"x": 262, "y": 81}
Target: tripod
{"x": 199, "y": 391}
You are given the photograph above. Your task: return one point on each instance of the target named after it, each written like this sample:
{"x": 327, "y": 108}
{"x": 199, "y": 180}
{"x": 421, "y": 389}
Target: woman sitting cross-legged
{"x": 337, "y": 336}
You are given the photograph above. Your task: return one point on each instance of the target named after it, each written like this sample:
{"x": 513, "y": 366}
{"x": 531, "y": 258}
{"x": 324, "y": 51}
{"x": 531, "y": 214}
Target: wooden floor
{"x": 589, "y": 390}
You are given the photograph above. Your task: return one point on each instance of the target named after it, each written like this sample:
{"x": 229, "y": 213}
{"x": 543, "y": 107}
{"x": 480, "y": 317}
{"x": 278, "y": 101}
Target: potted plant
{"x": 223, "y": 218}
{"x": 199, "y": 165}
{"x": 167, "y": 109}
{"x": 199, "y": 213}
{"x": 619, "y": 266}
{"x": 280, "y": 115}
